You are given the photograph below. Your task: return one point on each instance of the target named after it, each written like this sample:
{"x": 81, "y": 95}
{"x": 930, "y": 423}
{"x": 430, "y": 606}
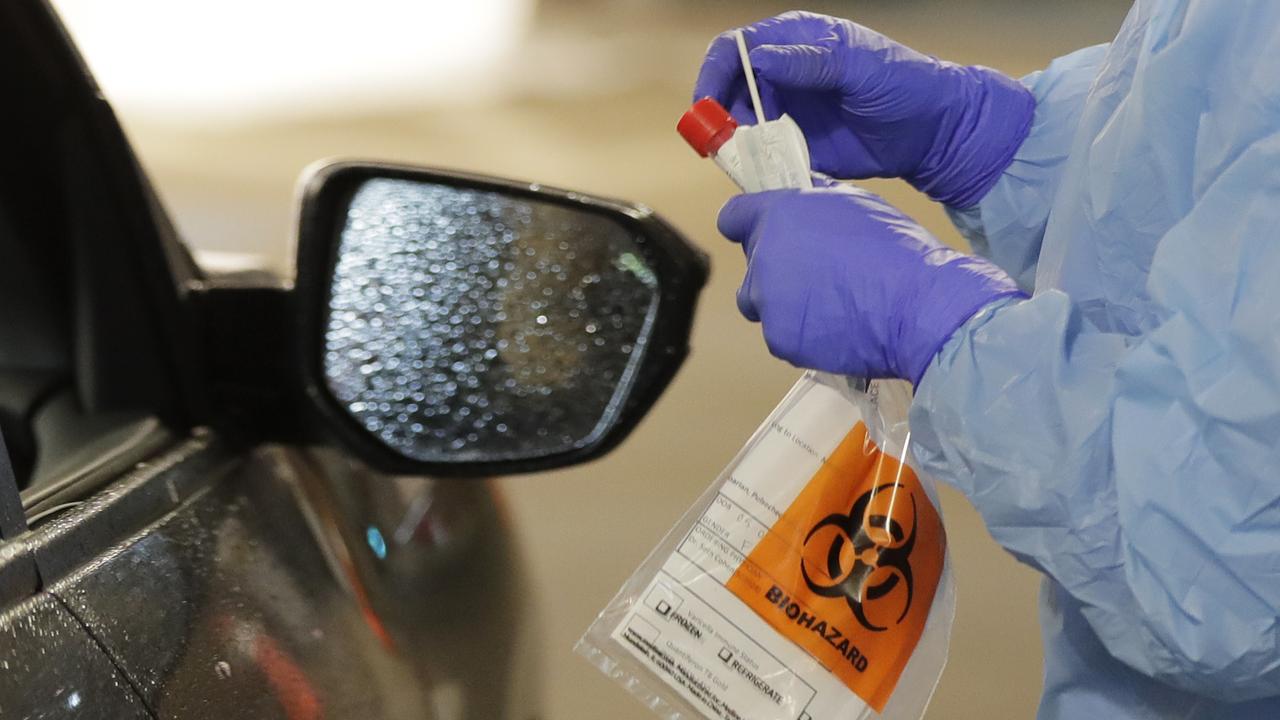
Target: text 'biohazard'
{"x": 850, "y": 569}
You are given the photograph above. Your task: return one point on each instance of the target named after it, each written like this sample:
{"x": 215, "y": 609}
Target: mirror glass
{"x": 468, "y": 325}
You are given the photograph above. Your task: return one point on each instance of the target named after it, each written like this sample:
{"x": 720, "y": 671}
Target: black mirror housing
{"x": 460, "y": 325}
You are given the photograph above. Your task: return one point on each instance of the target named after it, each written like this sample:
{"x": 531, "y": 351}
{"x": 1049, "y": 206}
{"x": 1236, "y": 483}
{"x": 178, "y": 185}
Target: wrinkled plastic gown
{"x": 811, "y": 580}
{"x": 1120, "y": 431}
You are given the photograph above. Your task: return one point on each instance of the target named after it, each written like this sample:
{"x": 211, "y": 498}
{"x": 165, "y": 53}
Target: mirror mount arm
{"x": 19, "y": 574}
{"x": 247, "y": 332}
{"x": 13, "y": 520}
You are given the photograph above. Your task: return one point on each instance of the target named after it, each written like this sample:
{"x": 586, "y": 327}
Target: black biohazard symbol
{"x": 863, "y": 557}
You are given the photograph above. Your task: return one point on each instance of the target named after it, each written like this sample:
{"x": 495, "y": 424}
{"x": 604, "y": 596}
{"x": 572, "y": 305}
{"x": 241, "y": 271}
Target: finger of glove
{"x": 742, "y": 110}
{"x": 746, "y": 303}
{"x": 738, "y": 218}
{"x": 721, "y": 69}
{"x": 721, "y": 76}
{"x": 810, "y": 67}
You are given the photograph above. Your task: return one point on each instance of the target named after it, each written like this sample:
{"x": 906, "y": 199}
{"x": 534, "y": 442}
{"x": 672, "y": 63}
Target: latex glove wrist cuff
{"x": 924, "y": 337}
{"x": 978, "y": 139}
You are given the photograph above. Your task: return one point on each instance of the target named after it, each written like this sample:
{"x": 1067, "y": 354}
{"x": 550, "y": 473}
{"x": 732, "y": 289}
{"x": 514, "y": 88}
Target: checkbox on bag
{"x": 663, "y": 608}
{"x": 725, "y": 655}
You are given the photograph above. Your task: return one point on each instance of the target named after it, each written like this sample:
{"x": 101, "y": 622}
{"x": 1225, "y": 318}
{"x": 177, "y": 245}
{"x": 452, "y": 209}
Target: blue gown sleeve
{"x": 1008, "y": 225}
{"x": 1142, "y": 473}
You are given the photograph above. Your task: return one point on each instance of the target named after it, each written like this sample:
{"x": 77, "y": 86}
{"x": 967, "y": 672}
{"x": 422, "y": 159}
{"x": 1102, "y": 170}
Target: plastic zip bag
{"x": 810, "y": 581}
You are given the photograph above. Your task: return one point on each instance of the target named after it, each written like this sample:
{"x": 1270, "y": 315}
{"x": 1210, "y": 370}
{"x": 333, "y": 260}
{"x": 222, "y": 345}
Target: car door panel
{"x": 51, "y": 668}
{"x": 247, "y": 589}
{"x": 226, "y": 608}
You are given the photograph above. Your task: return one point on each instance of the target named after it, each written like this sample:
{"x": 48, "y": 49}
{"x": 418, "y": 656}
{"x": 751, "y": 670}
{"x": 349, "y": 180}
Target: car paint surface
{"x": 263, "y": 592}
{"x": 50, "y": 668}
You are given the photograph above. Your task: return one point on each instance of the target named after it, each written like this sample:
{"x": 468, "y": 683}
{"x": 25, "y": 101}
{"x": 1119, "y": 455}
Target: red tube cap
{"x": 706, "y": 126}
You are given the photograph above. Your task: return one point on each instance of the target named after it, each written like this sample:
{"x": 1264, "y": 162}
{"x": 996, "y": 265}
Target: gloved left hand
{"x": 841, "y": 281}
{"x": 871, "y": 107}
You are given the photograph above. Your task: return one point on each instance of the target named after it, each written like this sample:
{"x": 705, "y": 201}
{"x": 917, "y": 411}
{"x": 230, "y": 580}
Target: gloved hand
{"x": 842, "y": 281}
{"x": 870, "y": 107}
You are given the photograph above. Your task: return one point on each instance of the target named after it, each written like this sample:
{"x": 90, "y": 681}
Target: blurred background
{"x": 228, "y": 102}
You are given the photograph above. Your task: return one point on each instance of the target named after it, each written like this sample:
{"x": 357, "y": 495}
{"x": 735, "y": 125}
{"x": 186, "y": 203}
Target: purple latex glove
{"x": 841, "y": 281}
{"x": 871, "y": 107}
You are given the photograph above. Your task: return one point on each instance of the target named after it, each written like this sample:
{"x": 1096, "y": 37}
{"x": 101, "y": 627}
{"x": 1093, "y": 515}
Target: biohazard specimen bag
{"x": 810, "y": 581}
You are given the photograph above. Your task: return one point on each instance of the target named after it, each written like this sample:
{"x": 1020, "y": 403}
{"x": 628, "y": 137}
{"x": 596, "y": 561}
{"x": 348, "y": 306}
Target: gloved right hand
{"x": 871, "y": 107}
{"x": 842, "y": 281}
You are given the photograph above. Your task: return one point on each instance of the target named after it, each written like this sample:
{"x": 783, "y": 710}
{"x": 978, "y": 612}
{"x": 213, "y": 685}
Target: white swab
{"x": 751, "y": 77}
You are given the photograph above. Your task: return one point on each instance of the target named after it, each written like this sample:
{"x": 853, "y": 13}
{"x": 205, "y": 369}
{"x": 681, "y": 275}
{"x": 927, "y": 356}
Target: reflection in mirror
{"x": 473, "y": 326}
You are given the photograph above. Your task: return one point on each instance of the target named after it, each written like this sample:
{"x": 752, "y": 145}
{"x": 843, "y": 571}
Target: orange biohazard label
{"x": 850, "y": 569}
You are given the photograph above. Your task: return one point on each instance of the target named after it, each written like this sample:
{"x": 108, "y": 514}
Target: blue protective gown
{"x": 1120, "y": 430}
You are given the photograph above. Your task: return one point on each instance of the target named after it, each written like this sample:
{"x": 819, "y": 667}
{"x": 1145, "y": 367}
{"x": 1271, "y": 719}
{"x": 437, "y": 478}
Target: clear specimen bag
{"x": 809, "y": 582}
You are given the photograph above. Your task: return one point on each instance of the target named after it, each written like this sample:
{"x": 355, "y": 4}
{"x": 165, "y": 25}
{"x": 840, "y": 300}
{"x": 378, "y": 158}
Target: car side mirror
{"x": 454, "y": 324}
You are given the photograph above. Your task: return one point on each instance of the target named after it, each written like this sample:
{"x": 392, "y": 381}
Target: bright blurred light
{"x": 237, "y": 59}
